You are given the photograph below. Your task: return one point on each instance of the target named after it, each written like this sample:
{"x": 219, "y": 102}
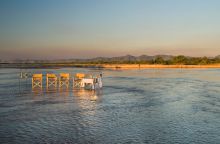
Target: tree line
{"x": 176, "y": 60}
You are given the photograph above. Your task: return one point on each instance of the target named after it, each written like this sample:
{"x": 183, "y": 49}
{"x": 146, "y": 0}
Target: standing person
{"x": 100, "y": 81}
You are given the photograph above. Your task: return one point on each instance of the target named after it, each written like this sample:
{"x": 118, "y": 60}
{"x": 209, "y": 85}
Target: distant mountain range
{"x": 217, "y": 57}
{"x": 131, "y": 58}
{"x": 107, "y": 59}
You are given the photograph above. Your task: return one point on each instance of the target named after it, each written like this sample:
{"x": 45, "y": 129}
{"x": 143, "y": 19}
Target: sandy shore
{"x": 145, "y": 66}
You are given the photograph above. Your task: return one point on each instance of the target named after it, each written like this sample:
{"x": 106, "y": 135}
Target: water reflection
{"x": 135, "y": 106}
{"x": 64, "y": 92}
{"x": 88, "y": 103}
{"x": 93, "y": 95}
{"x": 51, "y": 89}
{"x": 37, "y": 91}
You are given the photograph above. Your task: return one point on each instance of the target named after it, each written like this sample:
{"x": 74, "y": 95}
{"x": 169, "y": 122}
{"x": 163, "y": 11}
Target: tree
{"x": 180, "y": 60}
{"x": 204, "y": 61}
{"x": 159, "y": 60}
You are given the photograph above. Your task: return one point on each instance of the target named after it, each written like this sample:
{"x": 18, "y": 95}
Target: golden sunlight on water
{"x": 134, "y": 106}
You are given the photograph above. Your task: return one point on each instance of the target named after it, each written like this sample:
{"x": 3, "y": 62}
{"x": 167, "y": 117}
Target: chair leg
{"x": 32, "y": 82}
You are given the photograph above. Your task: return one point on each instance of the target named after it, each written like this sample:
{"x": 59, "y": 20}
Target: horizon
{"x": 158, "y": 55}
{"x": 82, "y": 29}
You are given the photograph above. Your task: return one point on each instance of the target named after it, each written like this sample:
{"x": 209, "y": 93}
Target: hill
{"x": 127, "y": 59}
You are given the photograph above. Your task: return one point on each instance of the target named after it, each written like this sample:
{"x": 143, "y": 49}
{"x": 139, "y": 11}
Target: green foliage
{"x": 176, "y": 60}
{"x": 159, "y": 60}
{"x": 180, "y": 60}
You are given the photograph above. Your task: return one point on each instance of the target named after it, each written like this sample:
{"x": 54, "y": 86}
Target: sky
{"x": 63, "y": 29}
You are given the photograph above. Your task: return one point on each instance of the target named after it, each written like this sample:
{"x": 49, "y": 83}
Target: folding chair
{"x": 51, "y": 80}
{"x": 64, "y": 79}
{"x": 37, "y": 80}
{"x": 77, "y": 81}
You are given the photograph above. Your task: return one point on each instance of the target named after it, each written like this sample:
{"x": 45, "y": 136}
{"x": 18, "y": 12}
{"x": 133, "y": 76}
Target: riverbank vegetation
{"x": 156, "y": 60}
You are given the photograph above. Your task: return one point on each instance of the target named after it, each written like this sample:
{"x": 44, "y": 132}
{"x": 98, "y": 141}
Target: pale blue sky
{"x": 54, "y": 29}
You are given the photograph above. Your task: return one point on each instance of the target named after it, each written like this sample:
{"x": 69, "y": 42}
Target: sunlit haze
{"x": 63, "y": 29}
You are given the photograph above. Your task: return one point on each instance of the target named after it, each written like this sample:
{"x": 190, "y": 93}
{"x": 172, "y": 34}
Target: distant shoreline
{"x": 103, "y": 66}
{"x": 146, "y": 66}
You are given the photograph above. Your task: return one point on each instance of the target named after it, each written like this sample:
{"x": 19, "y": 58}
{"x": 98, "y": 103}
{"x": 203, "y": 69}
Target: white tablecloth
{"x": 91, "y": 81}
{"x": 87, "y": 81}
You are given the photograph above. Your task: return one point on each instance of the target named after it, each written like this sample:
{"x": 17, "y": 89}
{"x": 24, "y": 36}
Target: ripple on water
{"x": 138, "y": 106}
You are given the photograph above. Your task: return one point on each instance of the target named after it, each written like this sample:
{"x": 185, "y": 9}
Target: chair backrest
{"x": 37, "y": 76}
{"x": 80, "y": 75}
{"x": 50, "y": 75}
{"x": 64, "y": 75}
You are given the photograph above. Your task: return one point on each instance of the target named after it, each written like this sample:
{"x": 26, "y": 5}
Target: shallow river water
{"x": 134, "y": 106}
